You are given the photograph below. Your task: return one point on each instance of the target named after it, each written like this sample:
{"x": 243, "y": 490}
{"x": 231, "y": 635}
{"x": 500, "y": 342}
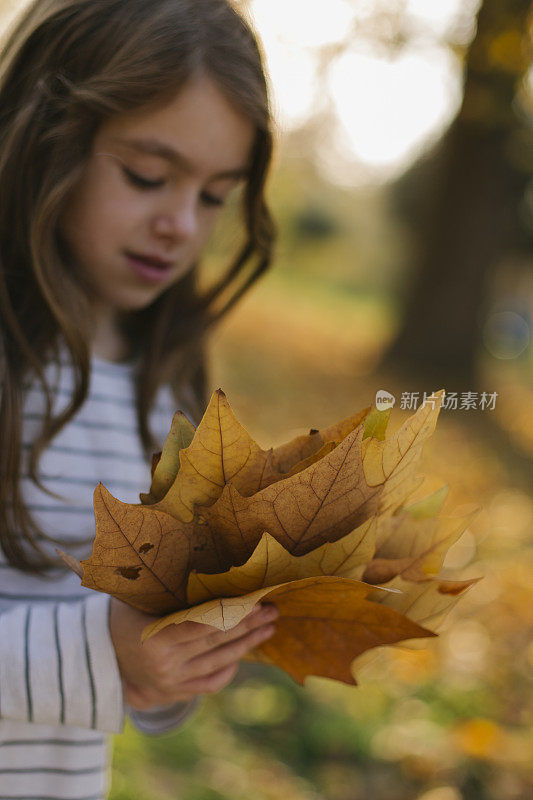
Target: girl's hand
{"x": 183, "y": 660}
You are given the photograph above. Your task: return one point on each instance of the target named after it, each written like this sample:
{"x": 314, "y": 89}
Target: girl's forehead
{"x": 198, "y": 127}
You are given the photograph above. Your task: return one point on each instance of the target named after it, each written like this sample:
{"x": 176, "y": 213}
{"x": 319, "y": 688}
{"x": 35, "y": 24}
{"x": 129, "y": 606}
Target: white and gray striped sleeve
{"x": 58, "y": 665}
{"x": 162, "y": 719}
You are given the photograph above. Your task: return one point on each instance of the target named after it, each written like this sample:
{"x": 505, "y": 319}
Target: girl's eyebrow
{"x": 157, "y": 148}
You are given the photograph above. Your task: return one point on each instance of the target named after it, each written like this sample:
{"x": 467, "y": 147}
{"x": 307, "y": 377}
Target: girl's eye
{"x": 144, "y": 183}
{"x": 140, "y": 182}
{"x": 211, "y": 199}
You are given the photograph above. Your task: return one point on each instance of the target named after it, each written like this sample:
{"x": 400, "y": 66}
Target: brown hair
{"x": 67, "y": 66}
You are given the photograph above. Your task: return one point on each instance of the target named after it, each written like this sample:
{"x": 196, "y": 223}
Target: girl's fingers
{"x": 216, "y": 638}
{"x": 209, "y": 669}
{"x": 187, "y": 632}
{"x": 207, "y": 684}
{"x": 227, "y": 654}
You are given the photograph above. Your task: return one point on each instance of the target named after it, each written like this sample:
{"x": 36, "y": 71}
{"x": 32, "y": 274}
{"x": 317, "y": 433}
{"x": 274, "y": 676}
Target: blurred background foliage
{"x": 403, "y": 191}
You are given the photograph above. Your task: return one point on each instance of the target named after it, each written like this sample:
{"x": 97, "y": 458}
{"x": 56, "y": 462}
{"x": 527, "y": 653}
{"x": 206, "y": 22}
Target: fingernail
{"x": 271, "y": 612}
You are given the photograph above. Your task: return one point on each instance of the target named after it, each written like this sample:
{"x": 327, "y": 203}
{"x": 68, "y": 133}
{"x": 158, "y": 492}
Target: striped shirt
{"x": 60, "y": 688}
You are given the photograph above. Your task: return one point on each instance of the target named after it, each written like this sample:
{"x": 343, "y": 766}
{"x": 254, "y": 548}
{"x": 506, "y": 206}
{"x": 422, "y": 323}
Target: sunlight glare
{"x": 384, "y": 108}
{"x": 289, "y": 39}
{"x": 388, "y": 108}
{"x": 441, "y": 16}
{"x": 310, "y": 24}
{"x": 292, "y": 74}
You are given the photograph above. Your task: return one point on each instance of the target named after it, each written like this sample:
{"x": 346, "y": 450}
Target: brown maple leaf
{"x": 227, "y": 524}
{"x": 324, "y": 624}
{"x": 223, "y": 452}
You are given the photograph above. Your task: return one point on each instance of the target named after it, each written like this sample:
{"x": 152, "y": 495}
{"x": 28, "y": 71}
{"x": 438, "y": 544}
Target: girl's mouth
{"x": 147, "y": 269}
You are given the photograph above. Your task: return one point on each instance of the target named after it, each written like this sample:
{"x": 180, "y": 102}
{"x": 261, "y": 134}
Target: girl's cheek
{"x": 123, "y": 207}
{"x": 208, "y": 220}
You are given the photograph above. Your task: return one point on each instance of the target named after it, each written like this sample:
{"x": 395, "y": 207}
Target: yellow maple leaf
{"x": 167, "y": 464}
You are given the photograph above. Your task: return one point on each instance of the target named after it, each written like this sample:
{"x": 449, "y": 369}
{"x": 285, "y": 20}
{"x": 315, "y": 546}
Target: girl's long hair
{"x": 67, "y": 66}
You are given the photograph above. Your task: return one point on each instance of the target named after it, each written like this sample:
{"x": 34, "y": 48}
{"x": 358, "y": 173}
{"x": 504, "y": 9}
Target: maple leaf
{"x": 144, "y": 556}
{"x": 315, "y": 505}
{"x": 165, "y": 465}
{"x": 271, "y": 564}
{"x": 324, "y": 624}
{"x": 425, "y": 602}
{"x": 302, "y": 451}
{"x": 228, "y": 530}
{"x": 137, "y": 557}
{"x": 226, "y": 524}
{"x": 410, "y": 551}
{"x": 413, "y": 545}
{"x": 222, "y": 451}
{"x": 334, "y": 495}
{"x": 393, "y": 460}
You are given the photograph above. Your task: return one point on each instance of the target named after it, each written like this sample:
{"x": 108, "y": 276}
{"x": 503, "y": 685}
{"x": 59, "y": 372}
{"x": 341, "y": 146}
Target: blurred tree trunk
{"x": 470, "y": 210}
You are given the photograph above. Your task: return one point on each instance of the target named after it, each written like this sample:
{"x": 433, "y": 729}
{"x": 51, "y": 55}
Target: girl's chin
{"x": 128, "y": 302}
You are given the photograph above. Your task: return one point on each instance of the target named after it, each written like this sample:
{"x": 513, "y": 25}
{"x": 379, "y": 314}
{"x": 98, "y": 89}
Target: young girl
{"x": 124, "y": 125}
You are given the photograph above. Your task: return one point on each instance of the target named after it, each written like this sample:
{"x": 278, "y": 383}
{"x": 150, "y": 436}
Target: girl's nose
{"x": 178, "y": 221}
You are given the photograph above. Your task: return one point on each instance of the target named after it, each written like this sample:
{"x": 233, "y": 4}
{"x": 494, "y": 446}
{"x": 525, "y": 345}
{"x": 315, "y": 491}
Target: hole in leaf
{"x": 131, "y": 573}
{"x": 144, "y": 548}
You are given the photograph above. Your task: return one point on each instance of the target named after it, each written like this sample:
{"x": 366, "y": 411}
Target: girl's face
{"x": 149, "y": 195}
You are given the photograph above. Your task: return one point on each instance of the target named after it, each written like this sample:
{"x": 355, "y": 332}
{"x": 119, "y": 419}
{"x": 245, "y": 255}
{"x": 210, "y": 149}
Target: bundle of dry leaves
{"x": 319, "y": 527}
